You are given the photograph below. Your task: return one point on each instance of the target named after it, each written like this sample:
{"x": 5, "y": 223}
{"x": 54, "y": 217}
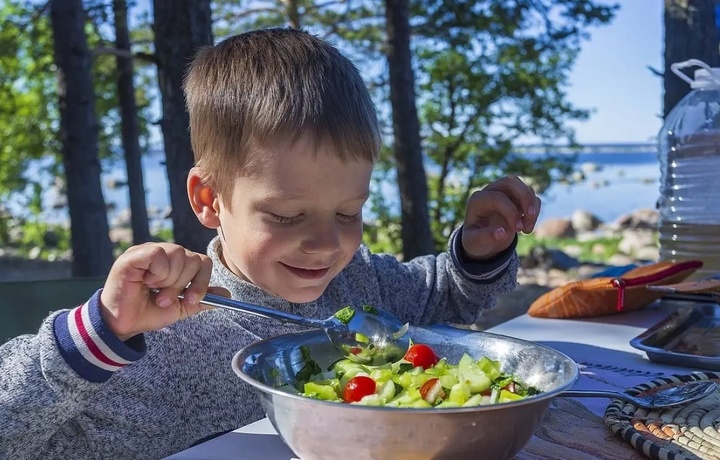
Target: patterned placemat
{"x": 688, "y": 432}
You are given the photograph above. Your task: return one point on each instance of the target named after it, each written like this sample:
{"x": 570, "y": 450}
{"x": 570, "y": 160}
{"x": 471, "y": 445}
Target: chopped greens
{"x": 344, "y": 315}
{"x": 401, "y": 384}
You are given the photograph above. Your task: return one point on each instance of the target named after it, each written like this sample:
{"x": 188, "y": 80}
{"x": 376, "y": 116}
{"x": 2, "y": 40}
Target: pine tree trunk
{"x": 181, "y": 28}
{"x": 416, "y": 235}
{"x": 690, "y": 33}
{"x": 130, "y": 127}
{"x": 92, "y": 249}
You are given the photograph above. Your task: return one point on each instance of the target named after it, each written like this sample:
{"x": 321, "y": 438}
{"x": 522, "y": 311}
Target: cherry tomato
{"x": 421, "y": 355}
{"x": 357, "y": 388}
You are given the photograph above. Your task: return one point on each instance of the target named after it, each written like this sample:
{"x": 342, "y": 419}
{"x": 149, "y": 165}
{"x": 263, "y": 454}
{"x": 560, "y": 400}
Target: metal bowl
{"x": 318, "y": 430}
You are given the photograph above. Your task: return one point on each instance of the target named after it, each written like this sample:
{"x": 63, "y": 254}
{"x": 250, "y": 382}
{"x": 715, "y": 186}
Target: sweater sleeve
{"x": 47, "y": 378}
{"x": 447, "y": 288}
{"x": 89, "y": 347}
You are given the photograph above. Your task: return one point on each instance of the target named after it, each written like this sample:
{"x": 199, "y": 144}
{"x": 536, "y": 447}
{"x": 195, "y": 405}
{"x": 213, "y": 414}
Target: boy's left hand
{"x": 495, "y": 214}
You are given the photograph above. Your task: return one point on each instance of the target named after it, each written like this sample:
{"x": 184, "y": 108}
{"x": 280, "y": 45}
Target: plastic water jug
{"x": 689, "y": 154}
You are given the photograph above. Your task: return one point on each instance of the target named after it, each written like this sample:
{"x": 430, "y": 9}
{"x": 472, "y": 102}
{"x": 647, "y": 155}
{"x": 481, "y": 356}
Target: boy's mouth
{"x": 305, "y": 273}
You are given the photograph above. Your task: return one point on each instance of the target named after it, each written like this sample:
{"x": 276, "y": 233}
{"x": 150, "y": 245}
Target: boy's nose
{"x": 321, "y": 238}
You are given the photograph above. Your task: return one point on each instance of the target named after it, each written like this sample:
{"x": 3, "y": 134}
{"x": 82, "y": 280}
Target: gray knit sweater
{"x": 75, "y": 391}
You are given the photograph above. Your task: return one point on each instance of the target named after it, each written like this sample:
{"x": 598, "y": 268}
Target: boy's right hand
{"x": 140, "y": 293}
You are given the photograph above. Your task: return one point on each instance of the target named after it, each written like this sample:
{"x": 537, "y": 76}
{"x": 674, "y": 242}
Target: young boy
{"x": 285, "y": 136}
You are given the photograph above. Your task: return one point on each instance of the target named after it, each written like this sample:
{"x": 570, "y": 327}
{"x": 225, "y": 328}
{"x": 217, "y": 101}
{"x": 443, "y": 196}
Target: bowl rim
{"x": 241, "y": 355}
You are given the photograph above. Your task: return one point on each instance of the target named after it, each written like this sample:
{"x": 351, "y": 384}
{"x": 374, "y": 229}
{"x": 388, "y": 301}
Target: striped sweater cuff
{"x": 90, "y": 347}
{"x": 483, "y": 272}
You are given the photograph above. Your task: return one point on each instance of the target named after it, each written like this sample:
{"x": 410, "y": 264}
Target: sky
{"x": 611, "y": 76}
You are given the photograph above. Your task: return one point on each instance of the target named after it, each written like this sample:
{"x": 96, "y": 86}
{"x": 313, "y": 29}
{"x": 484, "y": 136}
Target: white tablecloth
{"x": 600, "y": 346}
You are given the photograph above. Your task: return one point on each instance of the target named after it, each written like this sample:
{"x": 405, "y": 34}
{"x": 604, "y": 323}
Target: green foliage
{"x": 382, "y": 237}
{"x": 29, "y": 116}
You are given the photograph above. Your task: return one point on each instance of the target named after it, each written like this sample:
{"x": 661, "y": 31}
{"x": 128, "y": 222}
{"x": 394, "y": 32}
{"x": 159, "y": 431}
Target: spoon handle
{"x": 596, "y": 394}
{"x": 219, "y": 301}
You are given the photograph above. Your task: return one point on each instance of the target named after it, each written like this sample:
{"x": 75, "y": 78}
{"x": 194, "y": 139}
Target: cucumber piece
{"x": 325, "y": 392}
{"x": 490, "y": 367}
{"x": 470, "y": 372}
{"x": 387, "y": 390}
{"x": 447, "y": 381}
{"x": 418, "y": 404}
{"x": 459, "y": 394}
{"x": 381, "y": 375}
{"x": 371, "y": 400}
{"x": 407, "y": 397}
{"x": 475, "y": 400}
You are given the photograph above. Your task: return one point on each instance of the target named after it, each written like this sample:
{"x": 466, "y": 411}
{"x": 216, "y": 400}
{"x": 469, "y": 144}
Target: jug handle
{"x": 675, "y": 67}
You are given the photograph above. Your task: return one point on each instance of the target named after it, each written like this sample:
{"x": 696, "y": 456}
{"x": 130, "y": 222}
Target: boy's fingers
{"x": 485, "y": 204}
{"x": 142, "y": 264}
{"x": 490, "y": 235}
{"x": 182, "y": 268}
{"x": 529, "y": 221}
{"x": 190, "y": 278}
{"x": 164, "y": 264}
{"x": 198, "y": 283}
{"x": 522, "y": 195}
{"x": 479, "y": 242}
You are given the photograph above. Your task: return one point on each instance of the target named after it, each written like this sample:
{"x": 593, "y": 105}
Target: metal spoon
{"x": 366, "y": 335}
{"x": 662, "y": 398}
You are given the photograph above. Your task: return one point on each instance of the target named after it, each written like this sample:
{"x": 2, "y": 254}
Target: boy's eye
{"x": 350, "y": 218}
{"x": 283, "y": 219}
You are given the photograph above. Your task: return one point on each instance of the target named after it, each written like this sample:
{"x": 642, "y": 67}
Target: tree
{"x": 416, "y": 236}
{"x": 690, "y": 33}
{"x": 130, "y": 126}
{"x": 92, "y": 250}
{"x": 181, "y": 28}
{"x": 490, "y": 73}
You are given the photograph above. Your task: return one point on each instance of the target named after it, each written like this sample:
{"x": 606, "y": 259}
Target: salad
{"x": 419, "y": 380}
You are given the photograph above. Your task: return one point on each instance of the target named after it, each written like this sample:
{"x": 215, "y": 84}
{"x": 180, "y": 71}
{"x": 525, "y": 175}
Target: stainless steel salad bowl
{"x": 318, "y": 430}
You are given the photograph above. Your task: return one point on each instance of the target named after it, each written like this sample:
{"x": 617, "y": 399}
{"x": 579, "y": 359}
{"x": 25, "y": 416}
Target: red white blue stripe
{"x": 89, "y": 347}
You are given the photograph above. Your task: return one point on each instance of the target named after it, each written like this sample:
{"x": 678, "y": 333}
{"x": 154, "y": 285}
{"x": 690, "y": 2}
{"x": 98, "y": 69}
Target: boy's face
{"x": 296, "y": 218}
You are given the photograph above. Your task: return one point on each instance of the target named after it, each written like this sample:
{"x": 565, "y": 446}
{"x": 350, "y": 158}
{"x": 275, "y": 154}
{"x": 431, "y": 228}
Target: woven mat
{"x": 688, "y": 432}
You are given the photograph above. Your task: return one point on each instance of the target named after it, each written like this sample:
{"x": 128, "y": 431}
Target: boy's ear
{"x": 203, "y": 200}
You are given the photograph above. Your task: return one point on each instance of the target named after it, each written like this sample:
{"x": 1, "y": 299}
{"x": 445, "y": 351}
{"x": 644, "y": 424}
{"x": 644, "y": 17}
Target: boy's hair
{"x": 270, "y": 85}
